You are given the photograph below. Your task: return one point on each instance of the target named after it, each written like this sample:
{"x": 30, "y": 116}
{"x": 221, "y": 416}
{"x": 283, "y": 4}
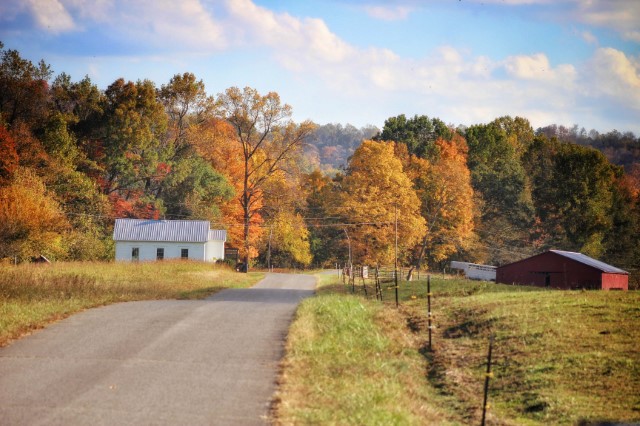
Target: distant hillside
{"x": 333, "y": 144}
{"x": 622, "y": 149}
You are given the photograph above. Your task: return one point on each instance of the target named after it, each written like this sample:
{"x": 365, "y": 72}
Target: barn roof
{"x": 193, "y": 231}
{"x": 589, "y": 261}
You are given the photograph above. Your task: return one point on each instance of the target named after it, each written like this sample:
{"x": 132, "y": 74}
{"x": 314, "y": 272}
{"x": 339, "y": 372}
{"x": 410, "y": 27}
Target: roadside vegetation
{"x": 560, "y": 357}
{"x": 32, "y": 296}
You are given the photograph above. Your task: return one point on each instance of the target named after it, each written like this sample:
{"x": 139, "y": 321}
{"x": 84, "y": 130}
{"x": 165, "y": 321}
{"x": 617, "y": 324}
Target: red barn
{"x": 565, "y": 270}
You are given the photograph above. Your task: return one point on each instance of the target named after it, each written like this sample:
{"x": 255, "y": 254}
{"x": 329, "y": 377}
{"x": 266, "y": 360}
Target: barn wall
{"x": 615, "y": 282}
{"x": 148, "y": 250}
{"x": 563, "y": 272}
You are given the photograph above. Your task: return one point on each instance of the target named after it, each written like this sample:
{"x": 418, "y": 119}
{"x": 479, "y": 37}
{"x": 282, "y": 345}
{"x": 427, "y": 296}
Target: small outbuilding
{"x": 473, "y": 271}
{"x": 144, "y": 240}
{"x": 564, "y": 270}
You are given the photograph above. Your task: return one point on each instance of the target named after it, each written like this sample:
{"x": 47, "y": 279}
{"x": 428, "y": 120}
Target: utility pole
{"x": 269, "y": 250}
{"x": 349, "y": 241}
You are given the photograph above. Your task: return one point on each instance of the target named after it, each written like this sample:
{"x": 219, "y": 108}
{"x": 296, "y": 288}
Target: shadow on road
{"x": 261, "y": 295}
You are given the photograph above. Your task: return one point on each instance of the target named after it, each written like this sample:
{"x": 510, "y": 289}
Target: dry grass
{"x": 32, "y": 296}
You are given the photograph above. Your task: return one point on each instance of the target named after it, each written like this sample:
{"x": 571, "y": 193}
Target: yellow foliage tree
{"x": 31, "y": 221}
{"x": 289, "y": 238}
{"x": 376, "y": 191}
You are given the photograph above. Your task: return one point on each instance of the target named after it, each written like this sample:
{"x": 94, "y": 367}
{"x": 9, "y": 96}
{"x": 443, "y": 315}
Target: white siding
{"x": 148, "y": 250}
{"x": 481, "y": 272}
{"x": 476, "y": 272}
{"x": 214, "y": 250}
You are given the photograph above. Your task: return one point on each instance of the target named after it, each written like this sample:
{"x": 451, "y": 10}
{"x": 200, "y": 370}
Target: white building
{"x": 143, "y": 240}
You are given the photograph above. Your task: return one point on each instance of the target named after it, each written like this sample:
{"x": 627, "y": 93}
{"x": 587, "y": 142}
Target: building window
{"x": 135, "y": 253}
{"x": 160, "y": 253}
{"x": 184, "y": 253}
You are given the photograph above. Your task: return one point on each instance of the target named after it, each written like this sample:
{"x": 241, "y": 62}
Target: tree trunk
{"x": 246, "y": 216}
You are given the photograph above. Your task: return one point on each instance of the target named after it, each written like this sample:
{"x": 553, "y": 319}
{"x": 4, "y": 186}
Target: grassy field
{"x": 32, "y": 296}
{"x": 561, "y": 357}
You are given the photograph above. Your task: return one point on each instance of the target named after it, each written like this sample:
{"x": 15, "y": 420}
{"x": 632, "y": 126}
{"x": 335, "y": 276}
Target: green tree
{"x": 133, "y": 160}
{"x": 418, "y": 133}
{"x": 326, "y": 238}
{"x": 503, "y": 190}
{"x": 574, "y": 192}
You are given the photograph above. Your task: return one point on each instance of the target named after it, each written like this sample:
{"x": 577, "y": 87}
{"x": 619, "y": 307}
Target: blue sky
{"x": 361, "y": 61}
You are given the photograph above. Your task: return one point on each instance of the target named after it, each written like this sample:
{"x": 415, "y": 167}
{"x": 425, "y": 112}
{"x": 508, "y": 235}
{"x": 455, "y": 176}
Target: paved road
{"x": 213, "y": 361}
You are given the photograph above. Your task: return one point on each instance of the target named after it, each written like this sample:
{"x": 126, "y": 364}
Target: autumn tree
{"x": 444, "y": 188}
{"x": 31, "y": 221}
{"x": 288, "y": 240}
{"x": 267, "y": 138}
{"x": 374, "y": 193}
{"x": 187, "y": 104}
{"x": 23, "y": 88}
{"x": 8, "y": 156}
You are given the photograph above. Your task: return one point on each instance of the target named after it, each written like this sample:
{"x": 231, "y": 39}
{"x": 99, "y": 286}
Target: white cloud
{"x": 589, "y": 37}
{"x": 537, "y": 67}
{"x": 51, "y": 15}
{"x": 462, "y": 87}
{"x": 160, "y": 23}
{"x": 448, "y": 82}
{"x": 614, "y": 75}
{"x": 388, "y": 13}
{"x": 632, "y": 36}
{"x": 298, "y": 43}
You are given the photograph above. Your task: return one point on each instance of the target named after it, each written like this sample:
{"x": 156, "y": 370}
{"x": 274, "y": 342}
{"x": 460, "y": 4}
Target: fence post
{"x": 395, "y": 276}
{"x": 430, "y": 327}
{"x": 487, "y": 377}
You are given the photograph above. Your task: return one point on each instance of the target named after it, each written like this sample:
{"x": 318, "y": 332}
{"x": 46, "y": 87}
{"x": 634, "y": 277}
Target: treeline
{"x": 74, "y": 157}
{"x": 493, "y": 193}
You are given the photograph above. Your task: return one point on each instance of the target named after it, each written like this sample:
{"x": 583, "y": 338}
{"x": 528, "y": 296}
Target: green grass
{"x": 349, "y": 362}
{"x": 560, "y": 357}
{"x": 32, "y": 296}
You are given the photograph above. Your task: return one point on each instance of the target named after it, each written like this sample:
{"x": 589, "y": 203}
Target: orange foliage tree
{"x": 267, "y": 138}
{"x": 446, "y": 198}
{"x": 214, "y": 141}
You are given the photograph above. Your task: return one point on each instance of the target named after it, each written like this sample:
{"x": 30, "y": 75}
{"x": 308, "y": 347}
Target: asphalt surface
{"x": 213, "y": 361}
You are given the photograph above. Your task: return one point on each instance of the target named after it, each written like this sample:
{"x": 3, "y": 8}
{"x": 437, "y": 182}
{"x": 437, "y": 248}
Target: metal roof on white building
{"x": 192, "y": 231}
